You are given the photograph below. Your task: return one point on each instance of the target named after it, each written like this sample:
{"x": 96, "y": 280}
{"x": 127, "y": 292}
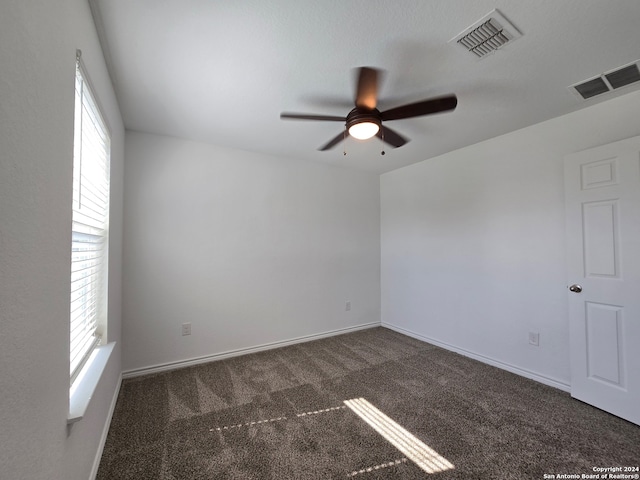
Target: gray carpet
{"x": 281, "y": 414}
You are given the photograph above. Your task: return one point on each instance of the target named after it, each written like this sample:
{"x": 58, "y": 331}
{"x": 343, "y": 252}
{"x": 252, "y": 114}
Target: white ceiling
{"x": 223, "y": 71}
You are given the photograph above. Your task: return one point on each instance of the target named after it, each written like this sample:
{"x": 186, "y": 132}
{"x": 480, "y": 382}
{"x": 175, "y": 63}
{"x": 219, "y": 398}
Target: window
{"x": 90, "y": 225}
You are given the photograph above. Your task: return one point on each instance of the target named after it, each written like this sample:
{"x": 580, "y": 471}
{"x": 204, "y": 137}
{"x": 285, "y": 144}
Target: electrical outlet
{"x": 347, "y": 306}
{"x": 534, "y": 338}
{"x": 186, "y": 329}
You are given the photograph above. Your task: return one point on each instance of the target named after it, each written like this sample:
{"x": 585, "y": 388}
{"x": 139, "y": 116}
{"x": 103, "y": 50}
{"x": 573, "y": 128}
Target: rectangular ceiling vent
{"x": 487, "y": 35}
{"x": 608, "y": 81}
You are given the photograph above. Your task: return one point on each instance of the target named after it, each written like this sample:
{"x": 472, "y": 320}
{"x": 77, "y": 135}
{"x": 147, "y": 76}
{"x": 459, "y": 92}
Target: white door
{"x": 602, "y": 194}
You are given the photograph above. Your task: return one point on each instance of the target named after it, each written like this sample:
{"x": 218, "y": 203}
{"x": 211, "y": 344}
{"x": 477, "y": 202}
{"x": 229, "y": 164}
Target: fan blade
{"x": 367, "y": 89}
{"x": 391, "y": 137}
{"x": 309, "y": 116}
{"x": 334, "y": 141}
{"x": 425, "y": 107}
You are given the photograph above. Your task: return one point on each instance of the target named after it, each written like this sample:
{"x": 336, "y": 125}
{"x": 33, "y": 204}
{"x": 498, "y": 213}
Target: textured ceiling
{"x": 222, "y": 71}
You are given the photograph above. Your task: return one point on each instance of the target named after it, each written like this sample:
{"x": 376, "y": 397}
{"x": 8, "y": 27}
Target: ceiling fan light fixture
{"x": 364, "y": 130}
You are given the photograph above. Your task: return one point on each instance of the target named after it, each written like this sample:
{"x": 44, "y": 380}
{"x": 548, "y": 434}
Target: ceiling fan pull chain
{"x": 382, "y": 138}
{"x": 344, "y": 141}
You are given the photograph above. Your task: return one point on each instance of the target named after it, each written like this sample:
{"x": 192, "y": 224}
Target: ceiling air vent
{"x": 487, "y": 35}
{"x": 609, "y": 81}
{"x": 591, "y": 88}
{"x": 623, "y": 76}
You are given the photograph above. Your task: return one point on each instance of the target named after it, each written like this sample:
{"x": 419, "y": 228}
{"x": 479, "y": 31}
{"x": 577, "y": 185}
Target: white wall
{"x": 38, "y": 42}
{"x": 472, "y": 241}
{"x": 250, "y": 249}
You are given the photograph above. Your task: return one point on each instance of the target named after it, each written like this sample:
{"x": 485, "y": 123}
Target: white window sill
{"x": 85, "y": 384}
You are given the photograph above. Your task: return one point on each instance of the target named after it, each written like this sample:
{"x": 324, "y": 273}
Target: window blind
{"x": 90, "y": 225}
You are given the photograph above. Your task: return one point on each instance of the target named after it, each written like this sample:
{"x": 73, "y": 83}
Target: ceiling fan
{"x": 365, "y": 120}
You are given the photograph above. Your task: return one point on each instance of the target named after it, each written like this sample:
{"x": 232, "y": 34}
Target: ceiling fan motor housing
{"x": 360, "y": 115}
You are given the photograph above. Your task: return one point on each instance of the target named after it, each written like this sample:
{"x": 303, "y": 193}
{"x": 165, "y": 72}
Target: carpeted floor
{"x": 281, "y": 414}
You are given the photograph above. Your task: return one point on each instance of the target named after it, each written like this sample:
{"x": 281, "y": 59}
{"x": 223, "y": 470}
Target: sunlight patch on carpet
{"x": 422, "y": 455}
{"x": 377, "y": 467}
{"x": 276, "y": 419}
{"x": 248, "y": 424}
{"x": 316, "y": 412}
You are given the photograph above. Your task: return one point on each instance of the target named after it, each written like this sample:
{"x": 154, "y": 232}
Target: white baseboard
{"x": 105, "y": 432}
{"x": 241, "y": 351}
{"x": 484, "y": 359}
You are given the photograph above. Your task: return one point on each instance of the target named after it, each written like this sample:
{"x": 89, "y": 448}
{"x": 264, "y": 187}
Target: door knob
{"x": 575, "y": 288}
